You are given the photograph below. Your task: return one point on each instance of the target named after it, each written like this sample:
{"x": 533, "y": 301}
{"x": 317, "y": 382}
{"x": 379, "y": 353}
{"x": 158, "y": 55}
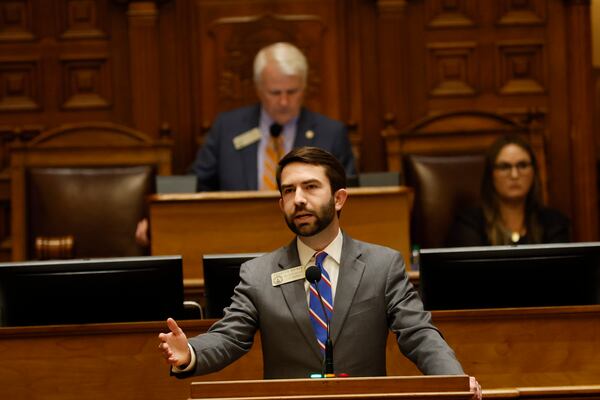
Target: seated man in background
{"x": 244, "y": 145}
{"x": 512, "y": 210}
{"x": 364, "y": 287}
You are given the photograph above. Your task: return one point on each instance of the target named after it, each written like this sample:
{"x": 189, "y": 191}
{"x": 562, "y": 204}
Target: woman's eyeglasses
{"x": 506, "y": 168}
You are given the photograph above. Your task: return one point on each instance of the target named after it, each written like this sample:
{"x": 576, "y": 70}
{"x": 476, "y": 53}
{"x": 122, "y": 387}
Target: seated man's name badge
{"x": 247, "y": 138}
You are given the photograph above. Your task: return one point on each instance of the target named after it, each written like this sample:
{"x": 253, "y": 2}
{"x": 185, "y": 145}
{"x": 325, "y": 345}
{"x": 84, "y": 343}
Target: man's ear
{"x": 281, "y": 203}
{"x": 340, "y": 198}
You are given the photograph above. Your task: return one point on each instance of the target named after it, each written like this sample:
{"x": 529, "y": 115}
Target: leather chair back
{"x": 99, "y": 207}
{"x": 443, "y": 185}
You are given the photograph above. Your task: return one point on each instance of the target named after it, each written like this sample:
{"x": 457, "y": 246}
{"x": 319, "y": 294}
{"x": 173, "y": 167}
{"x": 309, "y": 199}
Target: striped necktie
{"x": 273, "y": 153}
{"x": 317, "y": 317}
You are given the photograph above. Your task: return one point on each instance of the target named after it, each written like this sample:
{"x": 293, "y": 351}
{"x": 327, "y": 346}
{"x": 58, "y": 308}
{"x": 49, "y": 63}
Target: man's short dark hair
{"x": 316, "y": 156}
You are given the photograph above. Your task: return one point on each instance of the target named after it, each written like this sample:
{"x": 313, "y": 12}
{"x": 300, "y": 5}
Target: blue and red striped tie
{"x": 317, "y": 318}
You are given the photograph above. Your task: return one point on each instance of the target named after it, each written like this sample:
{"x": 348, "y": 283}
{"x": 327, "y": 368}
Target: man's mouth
{"x": 302, "y": 216}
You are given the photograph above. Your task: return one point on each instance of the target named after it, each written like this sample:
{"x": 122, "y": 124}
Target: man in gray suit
{"x": 232, "y": 157}
{"x": 371, "y": 294}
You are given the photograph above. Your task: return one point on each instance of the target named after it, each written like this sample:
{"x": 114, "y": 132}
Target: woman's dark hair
{"x": 315, "y": 156}
{"x": 491, "y": 207}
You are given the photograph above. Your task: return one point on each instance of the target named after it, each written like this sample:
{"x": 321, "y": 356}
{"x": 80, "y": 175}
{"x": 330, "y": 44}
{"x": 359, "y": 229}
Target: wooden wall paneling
{"x": 144, "y": 61}
{"x": 16, "y": 23}
{"x": 118, "y": 50}
{"x": 82, "y": 19}
{"x": 596, "y": 73}
{"x": 453, "y": 34}
{"x": 349, "y": 91}
{"x": 59, "y": 58}
{"x": 176, "y": 42}
{"x": 417, "y": 53}
{"x": 583, "y": 156}
{"x": 78, "y": 69}
{"x": 393, "y": 59}
{"x": 558, "y": 141}
{"x": 365, "y": 96}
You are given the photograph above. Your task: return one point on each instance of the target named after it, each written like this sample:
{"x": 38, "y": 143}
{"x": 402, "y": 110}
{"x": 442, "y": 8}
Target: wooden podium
{"x": 408, "y": 387}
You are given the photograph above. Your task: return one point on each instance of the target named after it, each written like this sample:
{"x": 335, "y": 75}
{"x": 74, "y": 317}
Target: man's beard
{"x": 323, "y": 218}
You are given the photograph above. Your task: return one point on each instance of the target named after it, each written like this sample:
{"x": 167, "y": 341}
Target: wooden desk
{"x": 508, "y": 348}
{"x": 248, "y": 222}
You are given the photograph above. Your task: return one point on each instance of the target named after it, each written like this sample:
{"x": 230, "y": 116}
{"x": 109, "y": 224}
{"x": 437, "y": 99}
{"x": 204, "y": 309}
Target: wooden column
{"x": 144, "y": 62}
{"x": 393, "y": 54}
{"x": 581, "y": 133}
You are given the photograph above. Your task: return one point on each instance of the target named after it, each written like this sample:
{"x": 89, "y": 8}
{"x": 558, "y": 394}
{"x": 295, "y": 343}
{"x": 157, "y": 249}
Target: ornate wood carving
{"x": 452, "y": 13}
{"x": 82, "y": 19}
{"x": 521, "y": 12}
{"x": 521, "y": 68}
{"x": 238, "y": 39}
{"x": 15, "y": 21}
{"x": 452, "y": 69}
{"x": 86, "y": 83}
{"x": 20, "y": 85}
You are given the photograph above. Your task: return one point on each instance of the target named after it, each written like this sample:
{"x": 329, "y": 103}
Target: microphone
{"x": 275, "y": 130}
{"x": 313, "y": 276}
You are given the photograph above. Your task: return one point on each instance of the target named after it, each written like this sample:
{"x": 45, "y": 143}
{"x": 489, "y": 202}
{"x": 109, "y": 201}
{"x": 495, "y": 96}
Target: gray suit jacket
{"x": 219, "y": 166}
{"x": 373, "y": 296}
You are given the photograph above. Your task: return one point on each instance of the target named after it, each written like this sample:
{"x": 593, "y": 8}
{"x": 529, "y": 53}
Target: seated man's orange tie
{"x": 273, "y": 153}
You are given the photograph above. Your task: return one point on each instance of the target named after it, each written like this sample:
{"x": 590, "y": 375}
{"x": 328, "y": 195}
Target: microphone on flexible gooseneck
{"x": 313, "y": 275}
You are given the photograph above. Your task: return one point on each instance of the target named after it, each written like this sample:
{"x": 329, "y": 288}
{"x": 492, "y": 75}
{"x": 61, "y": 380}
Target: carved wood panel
{"x": 15, "y": 21}
{"x": 452, "y": 13}
{"x": 20, "y": 85}
{"x": 521, "y": 12}
{"x": 453, "y": 70}
{"x": 521, "y": 68}
{"x": 229, "y": 37}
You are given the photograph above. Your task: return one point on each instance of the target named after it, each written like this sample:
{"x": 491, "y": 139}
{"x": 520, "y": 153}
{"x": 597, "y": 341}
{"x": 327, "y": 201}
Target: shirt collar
{"x": 333, "y": 250}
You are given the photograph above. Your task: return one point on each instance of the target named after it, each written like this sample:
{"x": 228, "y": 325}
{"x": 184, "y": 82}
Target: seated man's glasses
{"x": 506, "y": 168}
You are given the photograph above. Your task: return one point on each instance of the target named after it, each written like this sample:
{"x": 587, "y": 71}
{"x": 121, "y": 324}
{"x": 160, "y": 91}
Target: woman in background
{"x": 512, "y": 211}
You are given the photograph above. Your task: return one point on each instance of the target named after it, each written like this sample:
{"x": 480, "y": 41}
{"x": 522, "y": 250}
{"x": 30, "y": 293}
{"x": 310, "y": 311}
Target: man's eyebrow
{"x": 306, "y": 182}
{"x": 311, "y": 181}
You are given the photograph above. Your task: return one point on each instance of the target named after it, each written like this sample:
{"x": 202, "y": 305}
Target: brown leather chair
{"x": 98, "y": 207}
{"x": 442, "y": 157}
{"x": 79, "y": 191}
{"x": 443, "y": 184}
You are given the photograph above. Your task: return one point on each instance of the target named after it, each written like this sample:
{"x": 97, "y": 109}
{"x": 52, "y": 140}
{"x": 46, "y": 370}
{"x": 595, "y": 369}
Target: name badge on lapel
{"x": 247, "y": 138}
{"x": 287, "y": 275}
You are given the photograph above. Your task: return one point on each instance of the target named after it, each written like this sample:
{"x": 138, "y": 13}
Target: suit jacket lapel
{"x": 306, "y": 122}
{"x": 250, "y": 153}
{"x": 295, "y": 297}
{"x": 351, "y": 272}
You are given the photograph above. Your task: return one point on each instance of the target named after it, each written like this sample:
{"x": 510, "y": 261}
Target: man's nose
{"x": 299, "y": 197}
{"x": 284, "y": 99}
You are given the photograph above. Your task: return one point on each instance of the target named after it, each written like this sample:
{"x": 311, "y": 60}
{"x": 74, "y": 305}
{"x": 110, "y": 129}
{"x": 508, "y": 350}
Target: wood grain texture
{"x": 503, "y": 348}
